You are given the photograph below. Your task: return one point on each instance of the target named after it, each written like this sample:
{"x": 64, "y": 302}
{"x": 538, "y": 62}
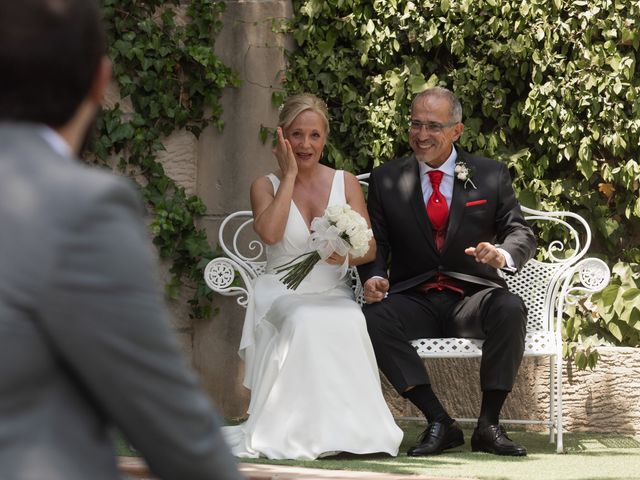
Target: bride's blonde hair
{"x": 296, "y": 104}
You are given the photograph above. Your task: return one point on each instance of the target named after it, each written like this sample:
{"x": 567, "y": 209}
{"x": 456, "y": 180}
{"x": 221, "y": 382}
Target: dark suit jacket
{"x": 404, "y": 237}
{"x": 85, "y": 341}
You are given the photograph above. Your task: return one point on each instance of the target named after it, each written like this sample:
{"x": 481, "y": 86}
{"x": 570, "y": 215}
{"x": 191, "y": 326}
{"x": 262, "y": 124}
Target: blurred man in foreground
{"x": 85, "y": 343}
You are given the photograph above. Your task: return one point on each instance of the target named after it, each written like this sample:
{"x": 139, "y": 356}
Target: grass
{"x": 588, "y": 456}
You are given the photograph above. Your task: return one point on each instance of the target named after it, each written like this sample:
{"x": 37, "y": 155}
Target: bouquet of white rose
{"x": 341, "y": 230}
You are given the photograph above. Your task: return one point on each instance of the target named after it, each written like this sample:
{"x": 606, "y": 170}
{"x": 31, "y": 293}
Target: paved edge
{"x": 136, "y": 468}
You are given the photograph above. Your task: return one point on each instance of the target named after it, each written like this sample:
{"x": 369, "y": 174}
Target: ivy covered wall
{"x": 170, "y": 78}
{"x": 192, "y": 85}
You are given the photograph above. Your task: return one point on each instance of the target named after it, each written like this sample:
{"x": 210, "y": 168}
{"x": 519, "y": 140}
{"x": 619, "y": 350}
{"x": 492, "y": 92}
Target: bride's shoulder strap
{"x": 275, "y": 181}
{"x": 338, "y": 195}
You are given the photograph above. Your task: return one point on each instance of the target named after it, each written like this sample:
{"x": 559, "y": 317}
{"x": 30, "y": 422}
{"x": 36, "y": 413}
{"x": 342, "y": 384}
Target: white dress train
{"x": 315, "y": 387}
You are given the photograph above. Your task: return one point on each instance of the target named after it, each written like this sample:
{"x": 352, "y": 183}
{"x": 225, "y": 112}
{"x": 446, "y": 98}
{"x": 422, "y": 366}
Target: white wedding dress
{"x": 315, "y": 387}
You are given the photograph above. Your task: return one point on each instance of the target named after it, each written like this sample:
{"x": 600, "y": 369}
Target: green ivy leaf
{"x": 631, "y": 294}
{"x": 615, "y": 330}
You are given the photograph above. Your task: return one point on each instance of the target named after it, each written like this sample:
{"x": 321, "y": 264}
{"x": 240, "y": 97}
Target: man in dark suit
{"x": 85, "y": 341}
{"x": 445, "y": 223}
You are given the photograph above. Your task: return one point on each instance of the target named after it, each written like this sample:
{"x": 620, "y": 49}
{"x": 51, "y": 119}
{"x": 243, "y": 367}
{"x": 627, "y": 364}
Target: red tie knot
{"x": 436, "y": 177}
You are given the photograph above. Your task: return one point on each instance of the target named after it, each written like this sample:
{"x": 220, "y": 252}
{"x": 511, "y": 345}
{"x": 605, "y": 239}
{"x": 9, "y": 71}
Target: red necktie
{"x": 437, "y": 209}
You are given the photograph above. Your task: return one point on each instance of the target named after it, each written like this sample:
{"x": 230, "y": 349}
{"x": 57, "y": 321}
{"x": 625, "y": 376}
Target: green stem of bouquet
{"x": 298, "y": 272}
{"x": 285, "y": 266}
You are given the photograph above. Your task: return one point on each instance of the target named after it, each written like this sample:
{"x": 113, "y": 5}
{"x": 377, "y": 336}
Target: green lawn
{"x": 588, "y": 457}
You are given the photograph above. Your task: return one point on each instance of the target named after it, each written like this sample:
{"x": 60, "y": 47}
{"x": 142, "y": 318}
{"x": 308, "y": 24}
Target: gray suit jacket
{"x": 85, "y": 342}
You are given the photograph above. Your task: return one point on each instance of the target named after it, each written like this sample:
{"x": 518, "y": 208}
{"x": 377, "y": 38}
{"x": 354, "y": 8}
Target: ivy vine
{"x": 164, "y": 63}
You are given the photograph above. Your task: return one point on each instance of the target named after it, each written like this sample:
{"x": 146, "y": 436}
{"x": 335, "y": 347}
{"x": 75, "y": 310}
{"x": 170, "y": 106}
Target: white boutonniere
{"x": 464, "y": 174}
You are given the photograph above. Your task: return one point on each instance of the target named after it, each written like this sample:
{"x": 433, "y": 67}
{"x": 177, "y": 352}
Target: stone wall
{"x": 606, "y": 399}
{"x": 227, "y": 164}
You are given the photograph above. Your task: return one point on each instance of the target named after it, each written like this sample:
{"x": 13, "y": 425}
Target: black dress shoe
{"x": 437, "y": 438}
{"x": 493, "y": 439}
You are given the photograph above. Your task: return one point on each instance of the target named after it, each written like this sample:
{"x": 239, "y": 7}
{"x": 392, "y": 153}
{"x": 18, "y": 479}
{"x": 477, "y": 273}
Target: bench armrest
{"x": 220, "y": 276}
{"x": 589, "y": 275}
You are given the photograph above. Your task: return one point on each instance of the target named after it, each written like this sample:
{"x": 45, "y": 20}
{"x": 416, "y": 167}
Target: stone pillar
{"x": 228, "y": 162}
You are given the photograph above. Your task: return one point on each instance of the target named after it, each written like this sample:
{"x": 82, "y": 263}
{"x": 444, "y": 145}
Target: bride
{"x": 315, "y": 387}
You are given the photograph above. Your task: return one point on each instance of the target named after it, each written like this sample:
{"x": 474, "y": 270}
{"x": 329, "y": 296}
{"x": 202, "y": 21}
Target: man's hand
{"x": 487, "y": 253}
{"x": 375, "y": 289}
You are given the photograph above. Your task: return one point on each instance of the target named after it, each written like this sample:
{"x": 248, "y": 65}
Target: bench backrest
{"x": 538, "y": 283}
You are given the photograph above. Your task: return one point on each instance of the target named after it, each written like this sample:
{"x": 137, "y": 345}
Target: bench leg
{"x": 559, "y": 444}
{"x": 552, "y": 399}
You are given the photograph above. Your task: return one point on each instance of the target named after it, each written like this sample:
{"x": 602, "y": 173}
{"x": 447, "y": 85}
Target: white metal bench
{"x": 546, "y": 286}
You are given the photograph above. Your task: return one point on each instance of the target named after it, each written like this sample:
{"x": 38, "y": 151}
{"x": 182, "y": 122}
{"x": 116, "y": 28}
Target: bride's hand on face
{"x": 284, "y": 154}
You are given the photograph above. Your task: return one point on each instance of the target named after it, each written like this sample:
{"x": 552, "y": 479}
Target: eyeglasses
{"x": 416, "y": 125}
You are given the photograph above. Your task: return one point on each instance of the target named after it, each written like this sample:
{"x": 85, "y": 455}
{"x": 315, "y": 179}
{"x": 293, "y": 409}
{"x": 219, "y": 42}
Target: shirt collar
{"x": 448, "y": 167}
{"x": 55, "y": 141}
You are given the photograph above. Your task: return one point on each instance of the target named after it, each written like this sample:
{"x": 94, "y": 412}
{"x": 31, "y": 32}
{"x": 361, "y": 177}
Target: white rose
{"x": 360, "y": 242}
{"x": 361, "y": 222}
{"x": 343, "y": 223}
{"x": 351, "y": 230}
{"x": 334, "y": 213}
{"x": 359, "y": 239}
{"x": 462, "y": 175}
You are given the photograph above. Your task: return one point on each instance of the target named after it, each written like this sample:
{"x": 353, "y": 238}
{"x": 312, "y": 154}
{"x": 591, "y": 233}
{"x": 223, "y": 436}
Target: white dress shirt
{"x": 446, "y": 185}
{"x": 55, "y": 141}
